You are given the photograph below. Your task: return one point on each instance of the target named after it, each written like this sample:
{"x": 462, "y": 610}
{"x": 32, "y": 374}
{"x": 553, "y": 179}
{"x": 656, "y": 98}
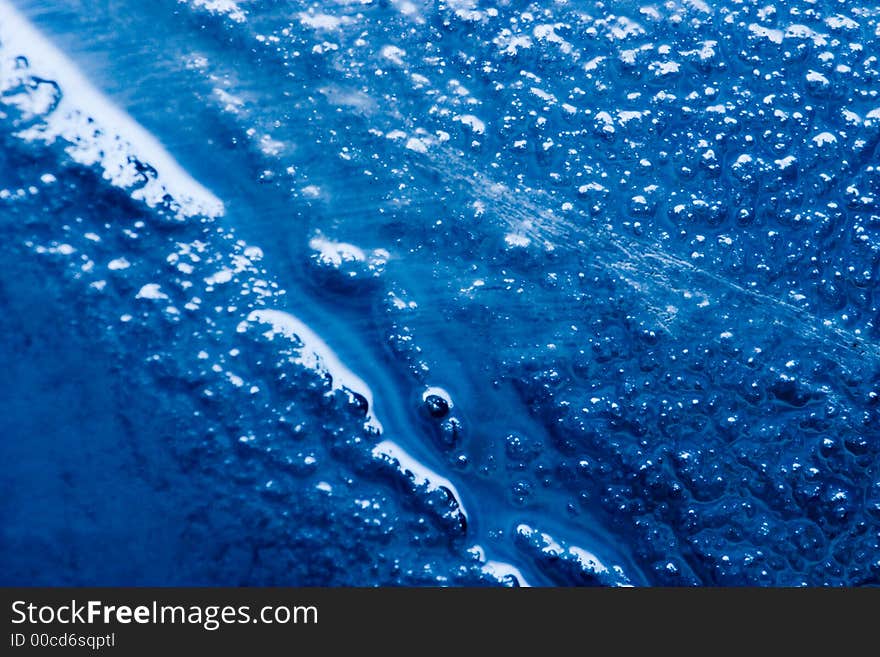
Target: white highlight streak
{"x": 112, "y": 139}
{"x": 422, "y": 475}
{"x": 316, "y": 355}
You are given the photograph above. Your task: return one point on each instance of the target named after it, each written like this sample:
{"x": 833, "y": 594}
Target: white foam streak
{"x": 95, "y": 131}
{"x": 421, "y": 474}
{"x": 316, "y": 355}
{"x": 501, "y": 570}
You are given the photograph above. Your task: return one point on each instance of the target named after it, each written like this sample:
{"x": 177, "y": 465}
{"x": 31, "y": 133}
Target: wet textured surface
{"x": 462, "y": 293}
